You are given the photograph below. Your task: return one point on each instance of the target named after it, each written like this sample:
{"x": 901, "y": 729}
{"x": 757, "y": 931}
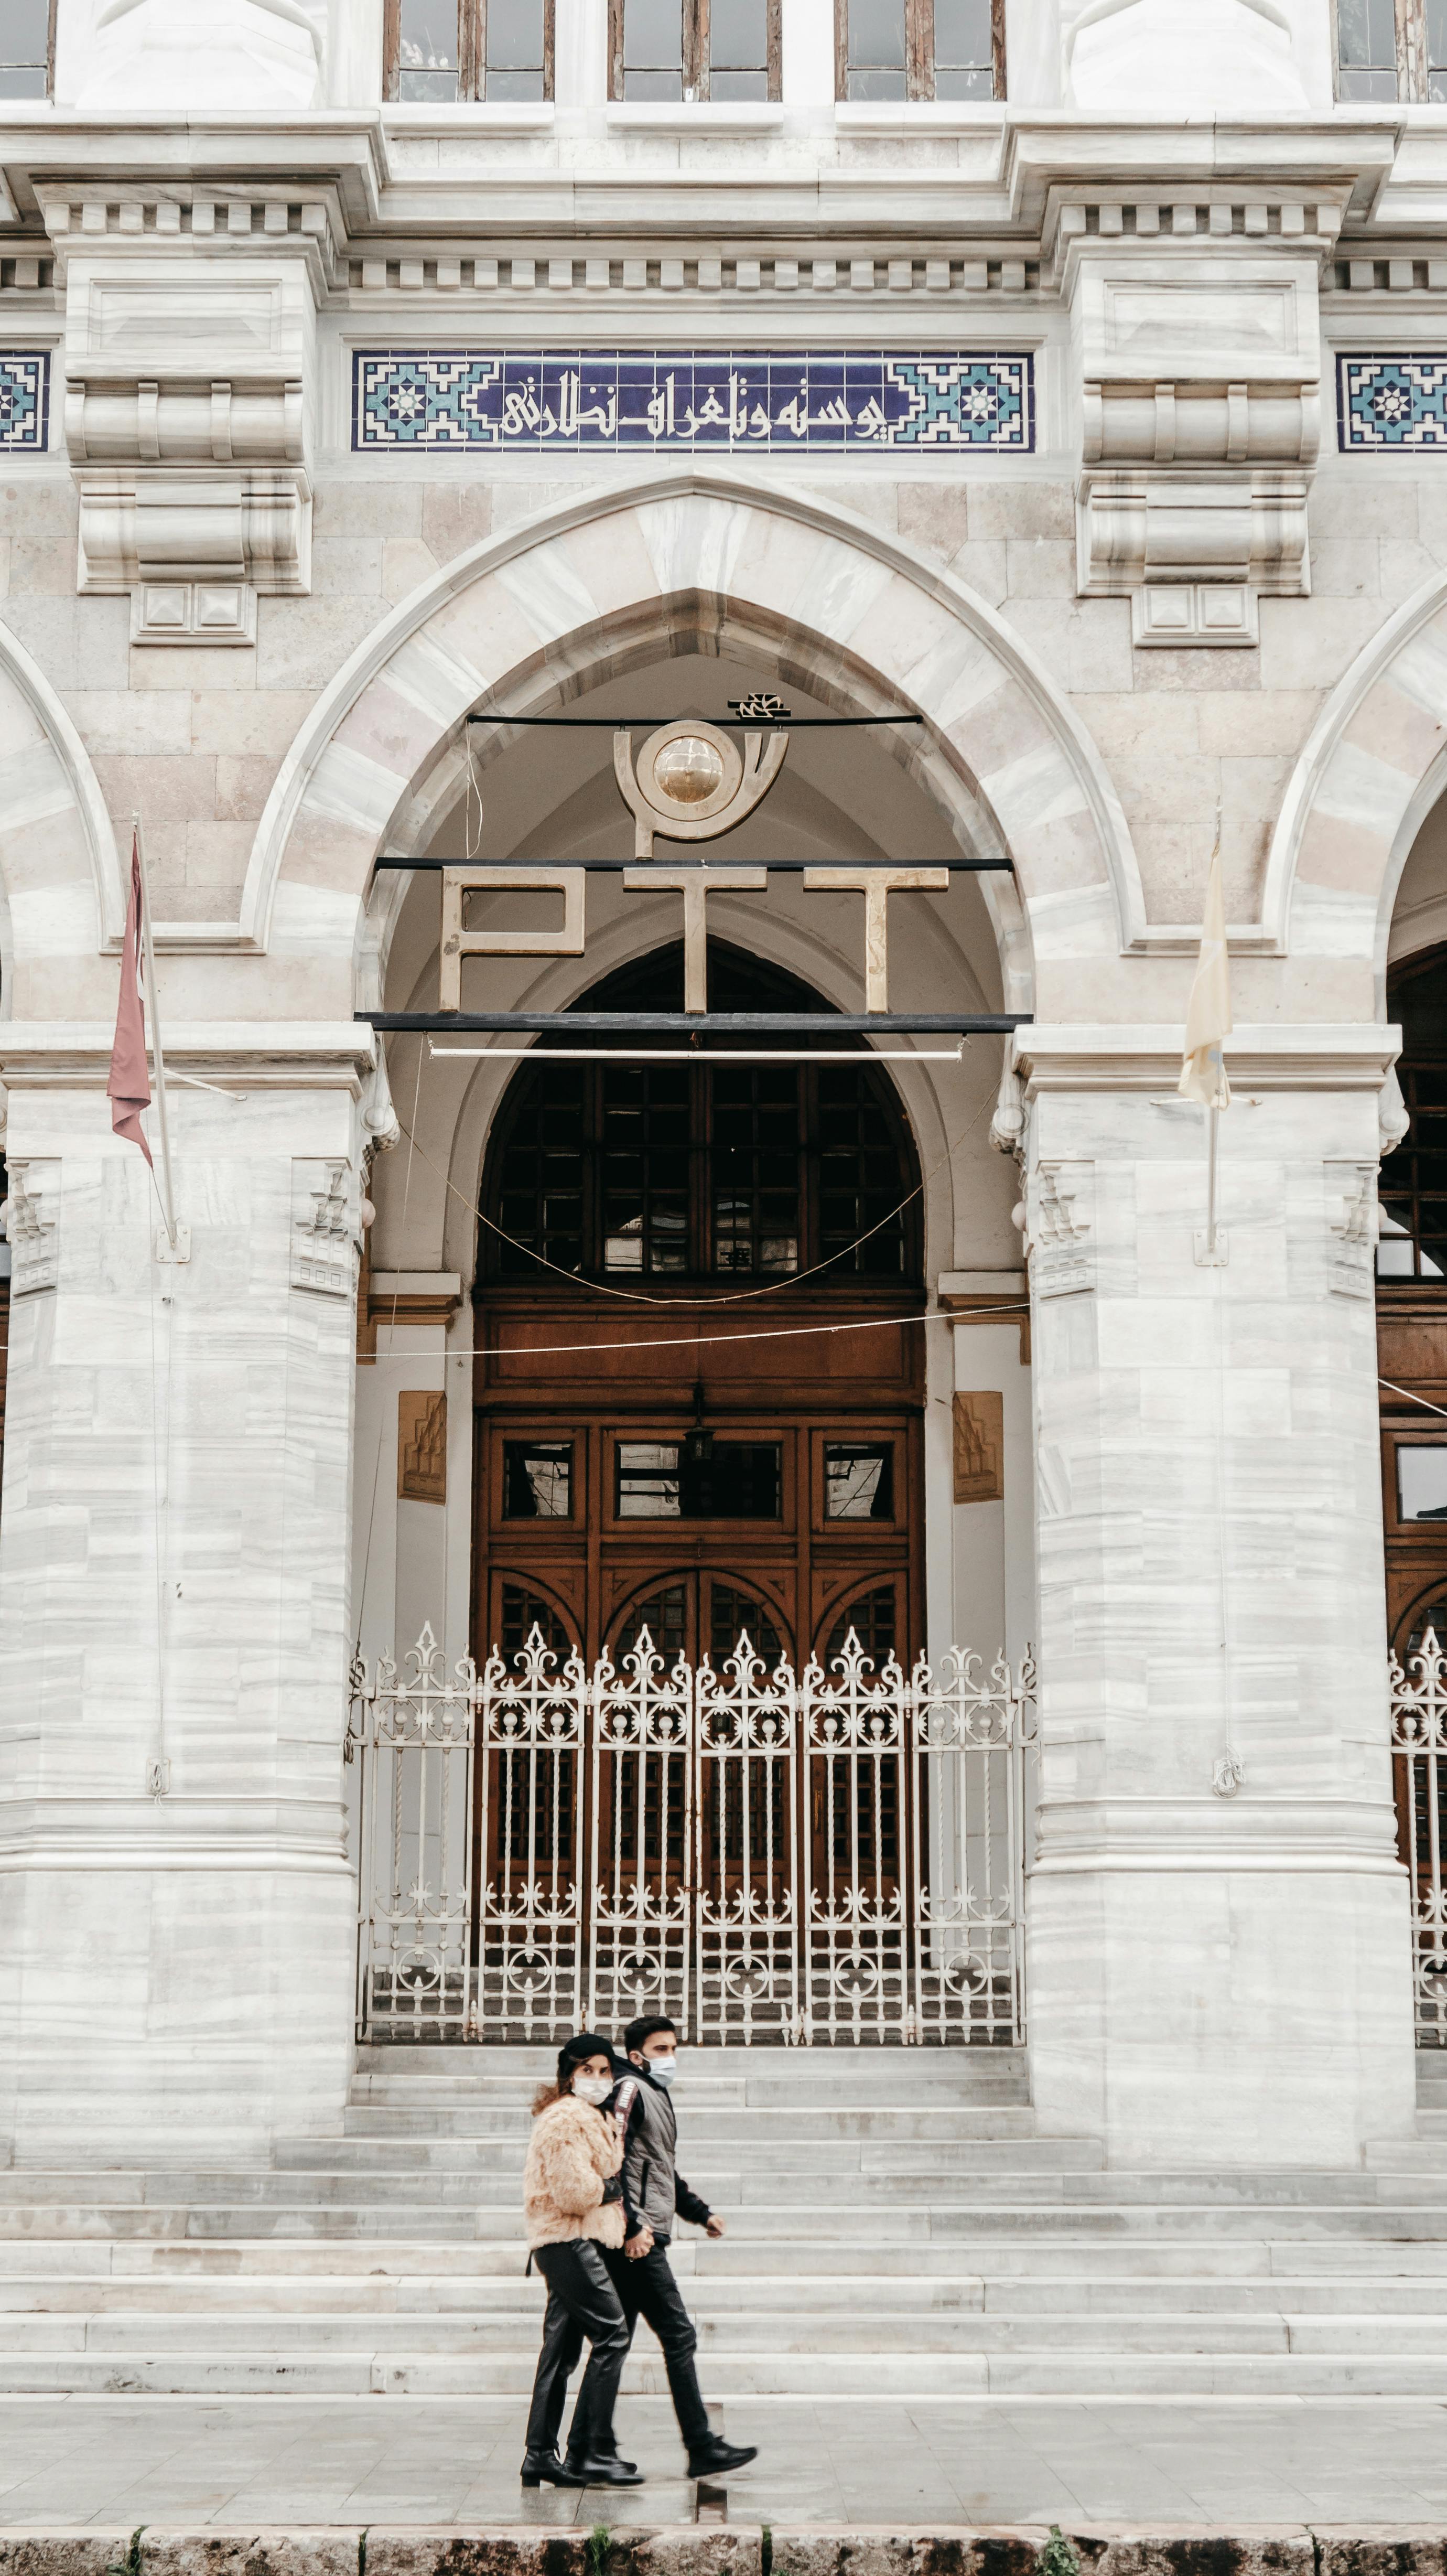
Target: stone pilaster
{"x": 1218, "y": 1929}
{"x": 176, "y": 1896}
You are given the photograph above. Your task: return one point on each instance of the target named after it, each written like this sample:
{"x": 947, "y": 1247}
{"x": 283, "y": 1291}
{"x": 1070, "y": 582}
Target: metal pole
{"x": 149, "y": 955}
{"x": 1214, "y": 1115}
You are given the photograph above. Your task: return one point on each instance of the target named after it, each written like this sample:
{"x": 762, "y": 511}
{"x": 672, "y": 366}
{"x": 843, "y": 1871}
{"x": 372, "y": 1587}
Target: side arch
{"x": 531, "y": 616}
{"x": 60, "y": 891}
{"x": 1370, "y": 770}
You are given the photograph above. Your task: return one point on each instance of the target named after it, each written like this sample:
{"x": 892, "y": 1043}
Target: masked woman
{"x": 573, "y": 2204}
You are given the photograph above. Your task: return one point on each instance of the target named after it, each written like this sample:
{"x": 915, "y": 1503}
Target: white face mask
{"x": 593, "y": 2088}
{"x": 662, "y": 2070}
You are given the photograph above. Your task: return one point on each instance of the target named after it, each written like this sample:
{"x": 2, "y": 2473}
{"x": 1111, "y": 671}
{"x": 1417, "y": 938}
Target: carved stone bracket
{"x": 189, "y": 348}
{"x": 1200, "y": 376}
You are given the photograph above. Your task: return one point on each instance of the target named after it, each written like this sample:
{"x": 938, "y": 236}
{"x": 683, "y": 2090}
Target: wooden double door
{"x": 703, "y": 1513}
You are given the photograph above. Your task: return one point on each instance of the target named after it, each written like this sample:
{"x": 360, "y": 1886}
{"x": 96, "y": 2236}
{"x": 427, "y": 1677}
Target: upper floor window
{"x": 913, "y": 49}
{"x": 693, "y": 49}
{"x": 443, "y": 50}
{"x": 1391, "y": 49}
{"x": 650, "y": 1171}
{"x": 27, "y": 48}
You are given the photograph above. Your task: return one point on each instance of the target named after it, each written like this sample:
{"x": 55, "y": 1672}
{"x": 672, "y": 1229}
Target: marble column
{"x": 1218, "y": 1957}
{"x": 176, "y": 1902}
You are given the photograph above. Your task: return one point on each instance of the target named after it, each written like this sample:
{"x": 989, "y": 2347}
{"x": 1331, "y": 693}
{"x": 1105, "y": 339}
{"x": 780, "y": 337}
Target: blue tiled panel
{"x": 1392, "y": 402}
{"x": 24, "y": 399}
{"x": 635, "y": 402}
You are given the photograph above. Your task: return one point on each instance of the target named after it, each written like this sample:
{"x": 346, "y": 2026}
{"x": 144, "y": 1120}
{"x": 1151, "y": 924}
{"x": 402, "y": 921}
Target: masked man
{"x": 653, "y": 2192}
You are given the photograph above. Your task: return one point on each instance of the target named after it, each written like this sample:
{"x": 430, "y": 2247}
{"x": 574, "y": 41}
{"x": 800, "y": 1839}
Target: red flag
{"x": 129, "y": 1084}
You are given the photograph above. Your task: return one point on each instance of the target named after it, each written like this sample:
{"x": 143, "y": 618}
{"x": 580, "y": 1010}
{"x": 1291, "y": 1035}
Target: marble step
{"x": 766, "y": 2151}
{"x": 816, "y": 2263}
{"x": 489, "y": 2300}
{"x": 1073, "y": 2373}
{"x": 492, "y": 2123}
{"x": 1052, "y": 2170}
{"x": 938, "y": 2224}
{"x": 509, "y": 2343}
{"x": 787, "y": 2071}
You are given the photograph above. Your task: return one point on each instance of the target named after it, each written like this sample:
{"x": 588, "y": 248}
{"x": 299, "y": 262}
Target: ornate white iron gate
{"x": 1419, "y": 1746}
{"x": 767, "y": 1857}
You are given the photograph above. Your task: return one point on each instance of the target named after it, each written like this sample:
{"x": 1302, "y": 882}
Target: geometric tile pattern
{"x": 1392, "y": 402}
{"x": 24, "y": 399}
{"x": 636, "y": 402}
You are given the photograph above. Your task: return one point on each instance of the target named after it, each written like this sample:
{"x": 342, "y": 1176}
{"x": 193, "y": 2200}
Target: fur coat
{"x": 572, "y": 2152}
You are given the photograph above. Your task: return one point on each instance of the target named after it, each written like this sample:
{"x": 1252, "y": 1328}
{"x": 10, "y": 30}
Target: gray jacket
{"x": 653, "y": 2188}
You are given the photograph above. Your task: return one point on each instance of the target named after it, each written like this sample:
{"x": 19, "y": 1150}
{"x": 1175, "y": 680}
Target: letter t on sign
{"x": 457, "y": 943}
{"x": 876, "y": 885}
{"x": 695, "y": 884}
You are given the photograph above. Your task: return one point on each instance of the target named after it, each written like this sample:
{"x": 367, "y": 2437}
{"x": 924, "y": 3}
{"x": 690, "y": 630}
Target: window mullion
{"x": 919, "y": 43}
{"x": 695, "y": 49}
{"x": 702, "y": 1183}
{"x": 1411, "y": 49}
{"x": 471, "y": 48}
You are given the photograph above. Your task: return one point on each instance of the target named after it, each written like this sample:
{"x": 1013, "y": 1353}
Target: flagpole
{"x": 149, "y": 956}
{"x": 1214, "y": 1115}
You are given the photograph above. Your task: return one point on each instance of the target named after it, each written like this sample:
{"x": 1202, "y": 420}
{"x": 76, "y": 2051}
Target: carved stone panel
{"x": 32, "y": 1214}
{"x": 1062, "y": 1259}
{"x": 422, "y": 1446}
{"x": 324, "y": 1227}
{"x": 1351, "y": 1203}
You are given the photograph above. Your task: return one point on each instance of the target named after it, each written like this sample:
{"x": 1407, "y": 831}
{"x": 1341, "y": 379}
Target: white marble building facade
{"x": 1147, "y": 526}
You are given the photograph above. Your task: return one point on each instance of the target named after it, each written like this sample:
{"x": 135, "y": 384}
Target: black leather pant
{"x": 648, "y": 2289}
{"x": 582, "y": 2301}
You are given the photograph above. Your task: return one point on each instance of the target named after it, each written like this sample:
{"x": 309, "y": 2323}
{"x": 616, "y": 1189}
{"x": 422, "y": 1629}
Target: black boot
{"x": 603, "y": 2470}
{"x": 719, "y": 2458}
{"x": 544, "y": 2468}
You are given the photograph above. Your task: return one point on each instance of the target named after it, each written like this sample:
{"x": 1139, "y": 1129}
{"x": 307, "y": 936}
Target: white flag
{"x": 1208, "y": 1013}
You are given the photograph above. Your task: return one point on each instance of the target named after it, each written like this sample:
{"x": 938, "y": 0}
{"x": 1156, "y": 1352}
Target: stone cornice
{"x": 282, "y": 1055}
{"x": 1276, "y": 1058}
{"x": 1014, "y": 176}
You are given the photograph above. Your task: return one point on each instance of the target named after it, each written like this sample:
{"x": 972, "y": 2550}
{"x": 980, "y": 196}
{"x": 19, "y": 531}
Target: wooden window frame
{"x": 1413, "y": 67}
{"x": 863, "y": 1534}
{"x": 740, "y": 1429}
{"x": 471, "y": 52}
{"x": 701, "y": 1240}
{"x": 1423, "y": 1537}
{"x": 919, "y": 54}
{"x": 49, "y": 52}
{"x": 697, "y": 69}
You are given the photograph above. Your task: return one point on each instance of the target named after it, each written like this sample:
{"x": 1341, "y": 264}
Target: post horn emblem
{"x": 690, "y": 782}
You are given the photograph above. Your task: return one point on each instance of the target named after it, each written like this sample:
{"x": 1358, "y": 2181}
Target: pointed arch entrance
{"x": 647, "y": 1452}
{"x": 657, "y": 1469}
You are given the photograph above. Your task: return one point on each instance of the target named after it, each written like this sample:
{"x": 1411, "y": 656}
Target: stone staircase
{"x": 899, "y": 2225}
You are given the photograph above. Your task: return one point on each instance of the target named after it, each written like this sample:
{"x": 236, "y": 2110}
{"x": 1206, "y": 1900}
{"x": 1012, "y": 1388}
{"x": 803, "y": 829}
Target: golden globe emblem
{"x": 688, "y": 770}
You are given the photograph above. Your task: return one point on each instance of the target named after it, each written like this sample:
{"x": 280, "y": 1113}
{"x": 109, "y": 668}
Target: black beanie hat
{"x": 584, "y": 2043}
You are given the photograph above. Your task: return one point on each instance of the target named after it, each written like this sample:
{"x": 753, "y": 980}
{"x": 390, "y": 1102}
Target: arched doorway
{"x": 652, "y": 1450}
{"x": 664, "y": 1469}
